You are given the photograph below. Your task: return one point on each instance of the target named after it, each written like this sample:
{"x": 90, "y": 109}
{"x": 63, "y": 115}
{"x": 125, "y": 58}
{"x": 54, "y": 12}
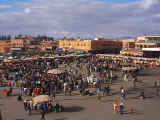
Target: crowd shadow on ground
{"x": 73, "y": 109}
{"x": 144, "y": 74}
{"x": 149, "y": 72}
{"x": 61, "y": 118}
{"x": 135, "y": 112}
{"x": 66, "y": 109}
{"x": 115, "y": 93}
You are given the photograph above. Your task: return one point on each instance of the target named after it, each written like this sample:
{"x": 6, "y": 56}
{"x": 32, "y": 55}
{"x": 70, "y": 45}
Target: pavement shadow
{"x": 61, "y": 118}
{"x": 134, "y": 90}
{"x": 133, "y": 98}
{"x": 73, "y": 109}
{"x": 109, "y": 100}
{"x": 149, "y": 97}
{"x": 138, "y": 98}
{"x": 144, "y": 74}
{"x": 68, "y": 99}
{"x": 116, "y": 93}
{"x": 126, "y": 112}
{"x": 36, "y": 112}
{"x": 1, "y": 104}
{"x": 13, "y": 95}
{"x": 74, "y": 94}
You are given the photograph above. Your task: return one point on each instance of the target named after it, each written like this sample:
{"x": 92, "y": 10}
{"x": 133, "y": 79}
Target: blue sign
{"x": 59, "y": 49}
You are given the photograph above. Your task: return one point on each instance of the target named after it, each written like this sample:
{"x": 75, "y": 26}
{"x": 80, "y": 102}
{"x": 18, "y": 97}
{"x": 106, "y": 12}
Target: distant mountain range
{"x": 92, "y": 38}
{"x": 127, "y": 37}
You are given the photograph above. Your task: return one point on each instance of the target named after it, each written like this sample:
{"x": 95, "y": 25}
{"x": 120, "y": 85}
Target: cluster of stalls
{"x": 133, "y": 60}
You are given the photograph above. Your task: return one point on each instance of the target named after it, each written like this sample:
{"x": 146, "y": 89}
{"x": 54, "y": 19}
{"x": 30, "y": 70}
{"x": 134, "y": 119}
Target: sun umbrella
{"x": 55, "y": 71}
{"x": 129, "y": 68}
{"x": 41, "y": 99}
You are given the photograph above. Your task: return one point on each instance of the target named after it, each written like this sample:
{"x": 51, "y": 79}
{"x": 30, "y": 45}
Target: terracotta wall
{"x": 90, "y": 44}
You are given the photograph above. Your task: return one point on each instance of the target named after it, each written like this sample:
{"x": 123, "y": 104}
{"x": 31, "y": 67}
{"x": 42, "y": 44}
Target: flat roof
{"x": 150, "y": 49}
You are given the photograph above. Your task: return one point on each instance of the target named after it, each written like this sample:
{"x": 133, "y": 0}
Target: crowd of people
{"x": 31, "y": 77}
{"x": 46, "y": 107}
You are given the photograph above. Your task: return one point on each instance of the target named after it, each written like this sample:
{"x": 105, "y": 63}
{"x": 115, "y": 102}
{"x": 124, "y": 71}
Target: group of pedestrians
{"x": 118, "y": 107}
{"x": 80, "y": 73}
{"x": 32, "y": 73}
{"x": 28, "y": 106}
{"x": 31, "y": 78}
{"x": 45, "y": 107}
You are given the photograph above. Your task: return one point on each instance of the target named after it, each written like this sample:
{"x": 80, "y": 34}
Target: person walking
{"x": 108, "y": 90}
{"x": 54, "y": 94}
{"x": 70, "y": 91}
{"x": 123, "y": 93}
{"x": 43, "y": 114}
{"x": 155, "y": 84}
{"x": 31, "y": 104}
{"x": 98, "y": 94}
{"x": 25, "y": 104}
{"x": 121, "y": 108}
{"x": 65, "y": 87}
{"x": 57, "y": 107}
{"x": 20, "y": 90}
{"x": 157, "y": 88}
{"x": 134, "y": 79}
{"x": 33, "y": 96}
{"x": 115, "y": 106}
{"x": 29, "y": 110}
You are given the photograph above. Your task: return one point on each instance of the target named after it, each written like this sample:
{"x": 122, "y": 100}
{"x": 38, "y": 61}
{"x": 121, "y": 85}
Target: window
{"x": 106, "y": 44}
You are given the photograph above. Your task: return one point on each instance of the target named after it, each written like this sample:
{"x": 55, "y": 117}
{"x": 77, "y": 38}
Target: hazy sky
{"x": 88, "y": 18}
